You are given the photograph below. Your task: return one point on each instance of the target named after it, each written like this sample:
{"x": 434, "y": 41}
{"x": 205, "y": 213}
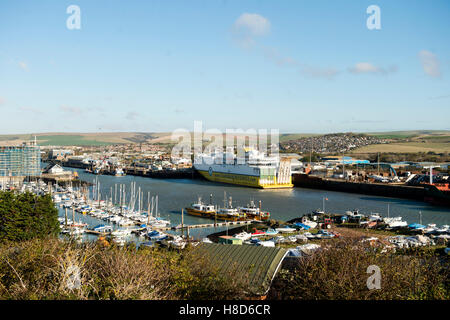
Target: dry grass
{"x": 48, "y": 269}
{"x": 405, "y": 147}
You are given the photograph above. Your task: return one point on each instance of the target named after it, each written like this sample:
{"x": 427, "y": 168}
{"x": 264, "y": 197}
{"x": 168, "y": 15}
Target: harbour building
{"x": 20, "y": 161}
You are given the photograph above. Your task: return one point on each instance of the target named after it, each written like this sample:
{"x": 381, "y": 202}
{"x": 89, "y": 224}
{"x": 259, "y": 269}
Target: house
{"x": 229, "y": 240}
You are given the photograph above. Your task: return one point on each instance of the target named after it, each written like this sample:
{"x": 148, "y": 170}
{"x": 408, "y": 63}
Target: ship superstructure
{"x": 255, "y": 169}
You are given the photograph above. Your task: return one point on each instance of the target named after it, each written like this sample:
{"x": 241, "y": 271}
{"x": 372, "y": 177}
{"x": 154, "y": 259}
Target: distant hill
{"x": 401, "y": 141}
{"x": 83, "y": 139}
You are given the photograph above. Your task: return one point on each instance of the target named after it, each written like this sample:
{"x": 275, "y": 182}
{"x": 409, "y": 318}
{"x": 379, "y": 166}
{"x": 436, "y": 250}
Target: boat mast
{"x": 224, "y": 199}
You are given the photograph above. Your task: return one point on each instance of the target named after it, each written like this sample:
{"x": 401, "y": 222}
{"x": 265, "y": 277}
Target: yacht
{"x": 395, "y": 222}
{"x": 243, "y": 235}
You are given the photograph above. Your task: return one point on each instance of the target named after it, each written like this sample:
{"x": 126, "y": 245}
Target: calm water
{"x": 283, "y": 204}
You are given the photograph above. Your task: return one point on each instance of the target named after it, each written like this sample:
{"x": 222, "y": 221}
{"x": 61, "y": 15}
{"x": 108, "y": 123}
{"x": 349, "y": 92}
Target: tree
{"x": 25, "y": 216}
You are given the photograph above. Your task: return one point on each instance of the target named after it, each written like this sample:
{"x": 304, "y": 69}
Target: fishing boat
{"x": 251, "y": 211}
{"x": 201, "y": 210}
{"x": 229, "y": 213}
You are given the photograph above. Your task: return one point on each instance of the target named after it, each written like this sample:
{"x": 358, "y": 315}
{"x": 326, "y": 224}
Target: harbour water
{"x": 283, "y": 204}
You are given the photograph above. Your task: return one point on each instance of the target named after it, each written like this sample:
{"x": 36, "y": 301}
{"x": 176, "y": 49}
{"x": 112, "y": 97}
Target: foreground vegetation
{"x": 24, "y": 216}
{"x": 35, "y": 264}
{"x": 57, "y": 269}
{"x": 339, "y": 272}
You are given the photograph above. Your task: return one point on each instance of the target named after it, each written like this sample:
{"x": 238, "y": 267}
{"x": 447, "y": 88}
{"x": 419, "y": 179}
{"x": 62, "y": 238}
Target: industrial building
{"x": 345, "y": 160}
{"x": 20, "y": 161}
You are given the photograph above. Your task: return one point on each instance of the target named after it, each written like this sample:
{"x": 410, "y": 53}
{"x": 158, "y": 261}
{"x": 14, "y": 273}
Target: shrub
{"x": 24, "y": 216}
{"x": 339, "y": 272}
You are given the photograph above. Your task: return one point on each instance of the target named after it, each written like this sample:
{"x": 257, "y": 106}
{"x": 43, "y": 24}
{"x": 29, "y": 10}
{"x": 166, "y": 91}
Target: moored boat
{"x": 251, "y": 211}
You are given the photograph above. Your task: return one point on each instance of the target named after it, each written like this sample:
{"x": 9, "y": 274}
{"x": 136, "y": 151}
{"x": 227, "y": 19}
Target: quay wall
{"x": 163, "y": 174}
{"x": 378, "y": 189}
{"x": 138, "y": 171}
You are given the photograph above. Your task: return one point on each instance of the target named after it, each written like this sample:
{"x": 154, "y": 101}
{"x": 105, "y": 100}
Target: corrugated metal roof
{"x": 258, "y": 264}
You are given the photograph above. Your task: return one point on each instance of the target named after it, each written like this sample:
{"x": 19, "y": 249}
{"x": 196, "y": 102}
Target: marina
{"x": 137, "y": 209}
{"x": 283, "y": 204}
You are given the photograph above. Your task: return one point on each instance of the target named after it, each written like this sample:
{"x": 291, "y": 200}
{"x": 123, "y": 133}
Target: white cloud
{"x": 132, "y": 115}
{"x": 72, "y": 110}
{"x": 249, "y": 26}
{"x": 430, "y": 63}
{"x": 366, "y": 67}
{"x": 23, "y": 65}
{"x": 317, "y": 72}
{"x": 363, "y": 67}
{"x": 252, "y": 24}
{"x": 273, "y": 55}
{"x": 30, "y": 109}
{"x": 2, "y": 101}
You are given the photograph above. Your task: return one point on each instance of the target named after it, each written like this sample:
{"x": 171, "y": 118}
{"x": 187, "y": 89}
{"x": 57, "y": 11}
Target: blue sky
{"x": 296, "y": 66}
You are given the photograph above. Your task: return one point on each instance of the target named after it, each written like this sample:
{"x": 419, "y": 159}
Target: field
{"x": 410, "y": 142}
{"x": 294, "y": 136}
{"x": 407, "y": 147}
{"x": 83, "y": 139}
{"x": 408, "y": 134}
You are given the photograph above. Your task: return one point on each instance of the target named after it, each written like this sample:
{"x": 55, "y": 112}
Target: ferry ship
{"x": 255, "y": 170}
